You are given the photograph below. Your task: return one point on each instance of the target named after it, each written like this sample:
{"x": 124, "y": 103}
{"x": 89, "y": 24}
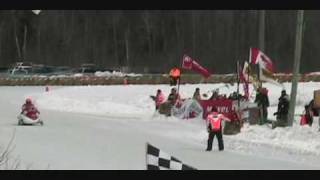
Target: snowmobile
{"x": 25, "y": 120}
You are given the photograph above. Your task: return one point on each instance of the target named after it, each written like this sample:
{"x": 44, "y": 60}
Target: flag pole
{"x": 179, "y": 79}
{"x": 238, "y": 83}
{"x": 261, "y": 39}
{"x": 179, "y": 82}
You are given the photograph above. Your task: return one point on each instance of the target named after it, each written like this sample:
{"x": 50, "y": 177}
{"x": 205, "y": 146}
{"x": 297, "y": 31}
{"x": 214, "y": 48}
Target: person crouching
{"x": 214, "y": 128}
{"x": 29, "y": 110}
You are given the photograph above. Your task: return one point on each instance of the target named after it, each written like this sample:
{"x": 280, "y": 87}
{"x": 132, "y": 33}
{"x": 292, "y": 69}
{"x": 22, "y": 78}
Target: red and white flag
{"x": 191, "y": 64}
{"x": 266, "y": 70}
{"x": 258, "y": 57}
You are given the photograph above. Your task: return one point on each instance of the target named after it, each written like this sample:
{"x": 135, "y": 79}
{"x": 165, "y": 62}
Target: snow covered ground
{"x": 107, "y": 127}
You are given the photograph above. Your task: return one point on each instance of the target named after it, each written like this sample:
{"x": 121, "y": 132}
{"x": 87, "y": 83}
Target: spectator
{"x": 262, "y": 100}
{"x": 173, "y": 96}
{"x": 158, "y": 99}
{"x": 282, "y": 112}
{"x": 307, "y": 117}
{"x": 196, "y": 94}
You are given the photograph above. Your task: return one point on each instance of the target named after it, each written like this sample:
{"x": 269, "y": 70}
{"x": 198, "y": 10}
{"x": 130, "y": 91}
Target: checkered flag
{"x": 160, "y": 160}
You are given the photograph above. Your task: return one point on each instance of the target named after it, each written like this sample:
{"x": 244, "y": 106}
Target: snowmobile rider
{"x": 174, "y": 74}
{"x": 214, "y": 127}
{"x": 159, "y": 98}
{"x": 262, "y": 100}
{"x": 283, "y": 109}
{"x": 29, "y": 110}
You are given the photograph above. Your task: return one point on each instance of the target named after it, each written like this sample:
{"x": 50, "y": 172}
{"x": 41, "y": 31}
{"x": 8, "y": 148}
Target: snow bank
{"x": 134, "y": 99}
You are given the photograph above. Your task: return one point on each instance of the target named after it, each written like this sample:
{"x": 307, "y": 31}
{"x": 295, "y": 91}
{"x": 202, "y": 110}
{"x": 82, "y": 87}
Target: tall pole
{"x": 261, "y": 35}
{"x": 24, "y": 48}
{"x": 261, "y": 29}
{"x": 261, "y": 47}
{"x": 238, "y": 83}
{"x": 296, "y": 67}
{"x": 127, "y": 48}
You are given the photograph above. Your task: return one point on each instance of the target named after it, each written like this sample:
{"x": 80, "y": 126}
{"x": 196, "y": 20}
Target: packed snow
{"x": 107, "y": 127}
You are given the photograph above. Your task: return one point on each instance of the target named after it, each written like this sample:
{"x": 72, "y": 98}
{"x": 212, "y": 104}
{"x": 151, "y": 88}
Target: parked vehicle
{"x": 42, "y": 69}
{"x": 20, "y": 67}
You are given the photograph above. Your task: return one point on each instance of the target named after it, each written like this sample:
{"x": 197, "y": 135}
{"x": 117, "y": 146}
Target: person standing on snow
{"x": 214, "y": 128}
{"x": 283, "y": 109}
{"x": 307, "y": 117}
{"x": 262, "y": 100}
{"x": 174, "y": 74}
{"x": 29, "y": 110}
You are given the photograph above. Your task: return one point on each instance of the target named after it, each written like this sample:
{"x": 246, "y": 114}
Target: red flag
{"x": 258, "y": 57}
{"x": 191, "y": 64}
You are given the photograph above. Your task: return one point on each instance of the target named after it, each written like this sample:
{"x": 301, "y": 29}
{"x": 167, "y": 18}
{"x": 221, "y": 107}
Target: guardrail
{"x": 144, "y": 79}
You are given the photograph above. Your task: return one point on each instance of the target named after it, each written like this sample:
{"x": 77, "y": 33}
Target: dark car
{"x": 42, "y": 69}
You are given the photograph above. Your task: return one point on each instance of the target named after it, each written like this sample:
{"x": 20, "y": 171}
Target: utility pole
{"x": 296, "y": 67}
{"x": 261, "y": 29}
{"x": 238, "y": 83}
{"x": 261, "y": 47}
{"x": 127, "y": 49}
{"x": 261, "y": 36}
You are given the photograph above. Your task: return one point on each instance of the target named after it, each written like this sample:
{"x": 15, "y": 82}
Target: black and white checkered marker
{"x": 160, "y": 160}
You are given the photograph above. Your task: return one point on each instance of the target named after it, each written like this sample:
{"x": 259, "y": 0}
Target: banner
{"x": 227, "y": 107}
{"x": 191, "y": 64}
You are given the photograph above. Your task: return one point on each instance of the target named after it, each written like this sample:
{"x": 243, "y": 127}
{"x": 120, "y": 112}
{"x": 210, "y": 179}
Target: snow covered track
{"x": 106, "y": 127}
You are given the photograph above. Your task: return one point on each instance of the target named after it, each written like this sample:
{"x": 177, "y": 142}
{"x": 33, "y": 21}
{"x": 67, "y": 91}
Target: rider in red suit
{"x": 29, "y": 110}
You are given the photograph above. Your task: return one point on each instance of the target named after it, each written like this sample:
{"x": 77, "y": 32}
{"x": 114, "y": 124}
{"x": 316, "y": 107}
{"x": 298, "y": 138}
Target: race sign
{"x": 226, "y": 107}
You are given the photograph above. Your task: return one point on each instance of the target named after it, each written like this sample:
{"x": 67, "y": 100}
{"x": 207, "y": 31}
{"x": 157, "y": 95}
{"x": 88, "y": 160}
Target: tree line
{"x": 155, "y": 40}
